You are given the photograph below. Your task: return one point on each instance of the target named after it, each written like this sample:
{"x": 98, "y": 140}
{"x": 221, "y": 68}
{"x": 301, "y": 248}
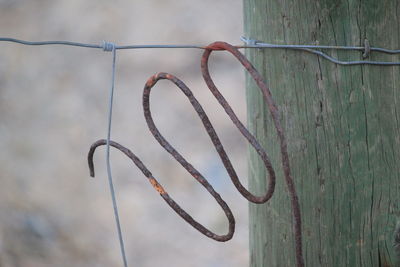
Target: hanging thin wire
{"x": 111, "y": 47}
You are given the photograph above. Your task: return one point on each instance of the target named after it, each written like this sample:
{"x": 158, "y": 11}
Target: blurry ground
{"x": 53, "y": 105}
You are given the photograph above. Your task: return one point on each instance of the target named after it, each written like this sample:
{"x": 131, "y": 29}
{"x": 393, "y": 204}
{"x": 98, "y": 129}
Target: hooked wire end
{"x": 90, "y": 155}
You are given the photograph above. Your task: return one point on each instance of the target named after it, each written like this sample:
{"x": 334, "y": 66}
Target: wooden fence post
{"x": 342, "y": 124}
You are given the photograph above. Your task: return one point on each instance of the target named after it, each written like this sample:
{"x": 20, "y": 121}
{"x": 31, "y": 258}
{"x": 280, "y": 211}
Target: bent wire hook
{"x": 219, "y": 147}
{"x": 156, "y": 185}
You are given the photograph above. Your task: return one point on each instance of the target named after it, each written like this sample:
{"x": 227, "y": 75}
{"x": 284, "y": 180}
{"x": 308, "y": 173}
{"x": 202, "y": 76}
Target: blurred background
{"x": 53, "y": 106}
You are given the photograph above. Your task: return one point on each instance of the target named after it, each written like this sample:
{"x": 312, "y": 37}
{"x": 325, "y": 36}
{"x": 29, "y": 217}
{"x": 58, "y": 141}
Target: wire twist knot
{"x": 108, "y": 46}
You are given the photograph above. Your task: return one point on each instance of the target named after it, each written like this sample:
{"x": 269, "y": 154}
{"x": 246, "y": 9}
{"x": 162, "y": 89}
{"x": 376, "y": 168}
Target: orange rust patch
{"x": 157, "y": 186}
{"x": 150, "y": 82}
{"x": 216, "y": 46}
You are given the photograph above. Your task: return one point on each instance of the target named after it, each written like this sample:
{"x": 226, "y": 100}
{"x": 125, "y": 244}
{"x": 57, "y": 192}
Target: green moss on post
{"x": 343, "y": 129}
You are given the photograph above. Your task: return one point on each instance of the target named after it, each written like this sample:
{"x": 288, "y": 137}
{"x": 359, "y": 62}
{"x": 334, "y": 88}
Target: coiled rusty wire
{"x": 151, "y": 82}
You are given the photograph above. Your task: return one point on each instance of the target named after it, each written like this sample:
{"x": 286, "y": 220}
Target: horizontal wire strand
{"x": 258, "y": 44}
{"x": 250, "y": 43}
{"x": 100, "y": 46}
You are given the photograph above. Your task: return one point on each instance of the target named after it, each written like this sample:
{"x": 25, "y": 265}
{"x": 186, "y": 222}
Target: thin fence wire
{"x": 111, "y": 48}
{"x": 249, "y": 43}
{"x": 366, "y": 49}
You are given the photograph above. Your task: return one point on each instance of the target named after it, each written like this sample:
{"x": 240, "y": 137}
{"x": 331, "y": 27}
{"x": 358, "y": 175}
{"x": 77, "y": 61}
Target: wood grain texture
{"x": 343, "y": 132}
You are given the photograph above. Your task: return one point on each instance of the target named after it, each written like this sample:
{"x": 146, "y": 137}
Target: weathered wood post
{"x": 342, "y": 124}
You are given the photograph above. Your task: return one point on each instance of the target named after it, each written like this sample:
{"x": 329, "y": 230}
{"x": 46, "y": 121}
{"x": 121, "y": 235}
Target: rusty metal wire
{"x": 273, "y": 109}
{"x": 211, "y": 132}
{"x": 219, "y": 147}
{"x": 156, "y": 185}
{"x": 250, "y": 43}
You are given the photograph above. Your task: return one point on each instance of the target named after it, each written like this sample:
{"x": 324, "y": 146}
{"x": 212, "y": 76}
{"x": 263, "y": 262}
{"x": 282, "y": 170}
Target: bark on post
{"x": 342, "y": 124}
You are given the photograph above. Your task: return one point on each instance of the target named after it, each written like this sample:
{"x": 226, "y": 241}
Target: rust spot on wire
{"x": 151, "y": 82}
{"x": 215, "y": 46}
{"x": 157, "y": 186}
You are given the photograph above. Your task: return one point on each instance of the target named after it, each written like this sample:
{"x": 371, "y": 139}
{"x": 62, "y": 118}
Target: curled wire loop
{"x": 151, "y": 82}
{"x": 243, "y": 130}
{"x": 157, "y": 186}
{"x": 212, "y": 134}
{"x": 276, "y": 119}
